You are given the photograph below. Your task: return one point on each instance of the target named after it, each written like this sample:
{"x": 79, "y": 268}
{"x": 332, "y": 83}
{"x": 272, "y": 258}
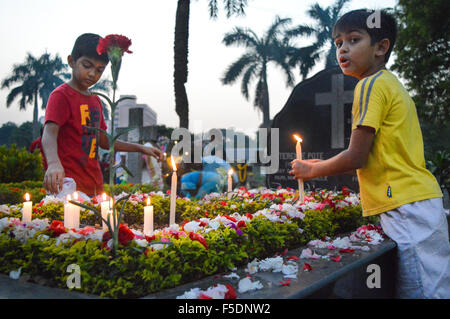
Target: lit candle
{"x": 75, "y": 212}
{"x": 230, "y": 180}
{"x": 148, "y": 218}
{"x": 105, "y": 208}
{"x": 27, "y": 209}
{"x": 173, "y": 193}
{"x": 68, "y": 213}
{"x": 298, "y": 150}
{"x": 109, "y": 216}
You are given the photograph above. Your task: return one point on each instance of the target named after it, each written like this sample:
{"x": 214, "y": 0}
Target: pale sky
{"x": 53, "y": 25}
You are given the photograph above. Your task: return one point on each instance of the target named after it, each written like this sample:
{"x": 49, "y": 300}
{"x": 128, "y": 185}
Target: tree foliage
{"x": 423, "y": 55}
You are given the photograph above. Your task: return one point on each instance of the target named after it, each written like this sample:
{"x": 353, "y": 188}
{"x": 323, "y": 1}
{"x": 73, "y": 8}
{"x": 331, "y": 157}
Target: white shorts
{"x": 421, "y": 232}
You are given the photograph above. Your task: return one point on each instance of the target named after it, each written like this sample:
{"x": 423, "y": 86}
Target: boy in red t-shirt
{"x": 69, "y": 142}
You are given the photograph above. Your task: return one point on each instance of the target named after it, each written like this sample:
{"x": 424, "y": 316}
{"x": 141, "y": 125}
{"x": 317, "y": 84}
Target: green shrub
{"x": 17, "y": 165}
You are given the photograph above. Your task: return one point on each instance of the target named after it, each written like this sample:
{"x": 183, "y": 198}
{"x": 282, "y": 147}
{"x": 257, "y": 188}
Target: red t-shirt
{"x": 75, "y": 115}
{"x": 37, "y": 143}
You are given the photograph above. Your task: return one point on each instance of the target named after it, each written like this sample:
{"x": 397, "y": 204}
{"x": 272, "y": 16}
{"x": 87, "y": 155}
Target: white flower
{"x": 231, "y": 276}
{"x": 217, "y": 292}
{"x": 4, "y": 222}
{"x": 194, "y": 293}
{"x": 290, "y": 270}
{"x": 247, "y": 285}
{"x": 342, "y": 243}
{"x": 15, "y": 274}
{"x": 274, "y": 264}
{"x": 141, "y": 242}
{"x": 318, "y": 243}
{"x": 4, "y": 209}
{"x": 192, "y": 227}
{"x": 308, "y": 254}
{"x": 252, "y": 267}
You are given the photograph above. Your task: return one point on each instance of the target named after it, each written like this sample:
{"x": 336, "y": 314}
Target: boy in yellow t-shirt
{"x": 386, "y": 149}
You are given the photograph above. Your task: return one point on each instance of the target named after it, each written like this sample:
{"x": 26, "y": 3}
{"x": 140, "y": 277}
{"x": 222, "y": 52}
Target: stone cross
{"x": 336, "y": 98}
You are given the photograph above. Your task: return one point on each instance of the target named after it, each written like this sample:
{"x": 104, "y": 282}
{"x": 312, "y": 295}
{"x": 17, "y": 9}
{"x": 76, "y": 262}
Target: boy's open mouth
{"x": 344, "y": 62}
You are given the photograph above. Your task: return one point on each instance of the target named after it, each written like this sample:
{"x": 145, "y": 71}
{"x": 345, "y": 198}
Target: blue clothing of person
{"x": 209, "y": 183}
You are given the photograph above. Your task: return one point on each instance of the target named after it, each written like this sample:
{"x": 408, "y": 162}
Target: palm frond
{"x": 247, "y": 78}
{"x": 241, "y": 37}
{"x": 236, "y": 68}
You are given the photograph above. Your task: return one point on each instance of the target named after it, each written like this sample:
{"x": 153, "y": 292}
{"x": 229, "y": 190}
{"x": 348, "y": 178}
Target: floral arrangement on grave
{"x": 114, "y": 46}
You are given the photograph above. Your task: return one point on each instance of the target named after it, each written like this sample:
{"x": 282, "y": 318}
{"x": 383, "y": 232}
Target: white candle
{"x": 27, "y": 209}
{"x": 68, "y": 213}
{"x": 104, "y": 208}
{"x": 148, "y": 218}
{"x": 230, "y": 180}
{"x": 109, "y": 217}
{"x": 173, "y": 193}
{"x": 75, "y": 213}
{"x": 298, "y": 150}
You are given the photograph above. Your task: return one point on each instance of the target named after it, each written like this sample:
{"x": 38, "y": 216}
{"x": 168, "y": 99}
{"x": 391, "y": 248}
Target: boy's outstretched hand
{"x": 301, "y": 169}
{"x": 152, "y": 151}
{"x": 54, "y": 177}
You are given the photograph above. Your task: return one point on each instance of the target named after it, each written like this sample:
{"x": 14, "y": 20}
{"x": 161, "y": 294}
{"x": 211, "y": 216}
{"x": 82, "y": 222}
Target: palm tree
{"x": 253, "y": 64}
{"x": 37, "y": 77}
{"x": 307, "y": 57}
{"x": 181, "y": 49}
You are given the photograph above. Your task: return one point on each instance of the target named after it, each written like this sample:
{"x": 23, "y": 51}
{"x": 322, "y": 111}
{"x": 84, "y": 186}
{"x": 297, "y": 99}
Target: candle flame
{"x": 75, "y": 196}
{"x": 148, "y": 201}
{"x": 69, "y": 198}
{"x": 174, "y": 167}
{"x": 27, "y": 197}
{"x": 230, "y": 172}
{"x": 298, "y": 138}
{"x": 104, "y": 196}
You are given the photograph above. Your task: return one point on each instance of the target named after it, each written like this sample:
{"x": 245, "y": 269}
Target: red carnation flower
{"x": 57, "y": 228}
{"x": 345, "y": 191}
{"x": 307, "y": 267}
{"x": 241, "y": 224}
{"x": 113, "y": 40}
{"x": 199, "y": 238}
{"x": 230, "y": 218}
{"x": 249, "y": 216}
{"x": 125, "y": 235}
{"x": 231, "y": 293}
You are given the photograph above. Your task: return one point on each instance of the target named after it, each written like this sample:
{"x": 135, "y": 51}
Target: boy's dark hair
{"x": 358, "y": 19}
{"x": 86, "y": 45}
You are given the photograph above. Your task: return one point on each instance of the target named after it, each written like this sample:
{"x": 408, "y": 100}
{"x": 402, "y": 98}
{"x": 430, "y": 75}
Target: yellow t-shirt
{"x": 395, "y": 172}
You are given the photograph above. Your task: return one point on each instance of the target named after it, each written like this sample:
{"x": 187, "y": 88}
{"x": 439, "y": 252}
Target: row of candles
{"x": 72, "y": 211}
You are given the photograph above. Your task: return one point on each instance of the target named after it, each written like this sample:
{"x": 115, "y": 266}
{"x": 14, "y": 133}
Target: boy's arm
{"x": 53, "y": 179}
{"x": 121, "y": 146}
{"x": 351, "y": 159}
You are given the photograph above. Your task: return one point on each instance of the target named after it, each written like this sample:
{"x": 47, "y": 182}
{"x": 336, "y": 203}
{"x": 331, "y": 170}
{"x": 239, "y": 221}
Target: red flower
{"x": 346, "y": 250}
{"x": 231, "y": 293}
{"x": 241, "y": 224}
{"x": 113, "y": 40}
{"x": 125, "y": 235}
{"x": 336, "y": 259}
{"x": 307, "y": 267}
{"x": 285, "y": 283}
{"x": 295, "y": 258}
{"x": 230, "y": 218}
{"x": 223, "y": 203}
{"x": 249, "y": 216}
{"x": 150, "y": 239}
{"x": 203, "y": 296}
{"x": 199, "y": 238}
{"x": 57, "y": 228}
{"x": 345, "y": 191}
